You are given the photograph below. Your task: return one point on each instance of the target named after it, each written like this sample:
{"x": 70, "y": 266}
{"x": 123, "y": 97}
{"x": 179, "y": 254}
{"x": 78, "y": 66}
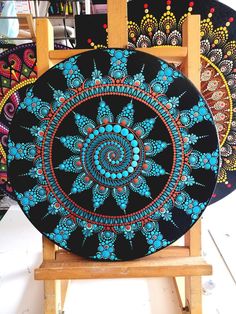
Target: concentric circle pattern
{"x": 118, "y": 152}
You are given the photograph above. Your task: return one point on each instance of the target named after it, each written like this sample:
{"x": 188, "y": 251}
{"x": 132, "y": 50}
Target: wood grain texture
{"x": 141, "y": 268}
{"x": 117, "y": 23}
{"x": 44, "y": 43}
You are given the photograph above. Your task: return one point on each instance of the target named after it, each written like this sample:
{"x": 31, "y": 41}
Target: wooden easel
{"x": 59, "y": 266}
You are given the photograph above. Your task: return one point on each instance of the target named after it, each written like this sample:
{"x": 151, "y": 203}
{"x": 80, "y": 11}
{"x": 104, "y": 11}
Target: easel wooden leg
{"x": 193, "y": 295}
{"x": 52, "y": 297}
{"x": 64, "y": 287}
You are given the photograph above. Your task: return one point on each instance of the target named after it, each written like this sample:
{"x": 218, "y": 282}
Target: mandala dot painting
{"x": 155, "y": 23}
{"x": 18, "y": 69}
{"x": 113, "y": 154}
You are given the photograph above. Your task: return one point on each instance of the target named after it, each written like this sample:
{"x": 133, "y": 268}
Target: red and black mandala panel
{"x": 118, "y": 152}
{"x": 18, "y": 69}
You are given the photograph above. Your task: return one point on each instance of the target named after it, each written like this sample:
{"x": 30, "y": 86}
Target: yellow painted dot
{"x": 229, "y": 53}
{"x": 227, "y": 24}
{"x": 168, "y": 8}
{"x": 210, "y": 15}
{"x": 216, "y": 41}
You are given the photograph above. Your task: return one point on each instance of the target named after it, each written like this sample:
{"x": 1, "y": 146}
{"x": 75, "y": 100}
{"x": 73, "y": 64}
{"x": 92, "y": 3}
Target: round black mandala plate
{"x": 155, "y": 23}
{"x": 113, "y": 154}
{"x": 18, "y": 69}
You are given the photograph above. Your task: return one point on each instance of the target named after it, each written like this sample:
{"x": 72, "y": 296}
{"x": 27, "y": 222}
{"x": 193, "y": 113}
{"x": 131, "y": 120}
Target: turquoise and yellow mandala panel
{"x": 113, "y": 154}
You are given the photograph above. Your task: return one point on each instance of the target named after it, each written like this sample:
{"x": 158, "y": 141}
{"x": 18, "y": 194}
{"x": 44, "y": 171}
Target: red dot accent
{"x": 78, "y": 163}
{"x": 79, "y": 145}
{"x": 231, "y": 19}
{"x": 104, "y": 26}
{"x": 147, "y": 148}
{"x": 214, "y": 195}
{"x": 86, "y": 179}
{"x": 212, "y": 10}
{"x": 135, "y": 180}
{"x": 123, "y": 123}
{"x": 102, "y": 188}
{"x": 40, "y": 171}
{"x": 128, "y": 228}
{"x": 89, "y": 130}
{"x": 162, "y": 210}
{"x": 229, "y": 185}
{"x": 41, "y": 133}
{"x": 145, "y": 166}
{"x": 145, "y": 6}
{"x": 138, "y": 132}
{"x": 191, "y": 4}
{"x": 105, "y": 121}
{"x": 89, "y": 40}
{"x": 119, "y": 189}
{"x": 168, "y": 2}
{"x": 57, "y": 205}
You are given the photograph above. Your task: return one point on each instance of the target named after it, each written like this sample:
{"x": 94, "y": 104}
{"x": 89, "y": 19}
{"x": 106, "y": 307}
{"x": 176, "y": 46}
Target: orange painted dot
{"x": 123, "y": 123}
{"x": 147, "y": 148}
{"x": 86, "y": 179}
{"x": 102, "y": 188}
{"x": 136, "y": 180}
{"x": 79, "y": 145}
{"x": 145, "y": 166}
{"x": 119, "y": 189}
{"x": 105, "y": 121}
{"x": 89, "y": 130}
{"x": 138, "y": 132}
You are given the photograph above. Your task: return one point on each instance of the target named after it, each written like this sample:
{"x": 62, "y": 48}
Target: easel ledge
{"x": 58, "y": 266}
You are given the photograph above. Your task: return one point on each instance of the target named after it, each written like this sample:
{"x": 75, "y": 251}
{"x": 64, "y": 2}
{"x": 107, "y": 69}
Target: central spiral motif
{"x": 112, "y": 155}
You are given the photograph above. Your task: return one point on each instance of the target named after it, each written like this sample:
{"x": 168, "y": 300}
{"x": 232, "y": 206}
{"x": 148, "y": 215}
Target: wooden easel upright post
{"x": 59, "y": 266}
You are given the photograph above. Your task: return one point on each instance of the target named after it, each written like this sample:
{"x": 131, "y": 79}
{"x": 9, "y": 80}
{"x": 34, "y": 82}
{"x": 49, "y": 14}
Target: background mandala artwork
{"x": 156, "y": 23}
{"x": 18, "y": 69}
{"x": 113, "y": 154}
